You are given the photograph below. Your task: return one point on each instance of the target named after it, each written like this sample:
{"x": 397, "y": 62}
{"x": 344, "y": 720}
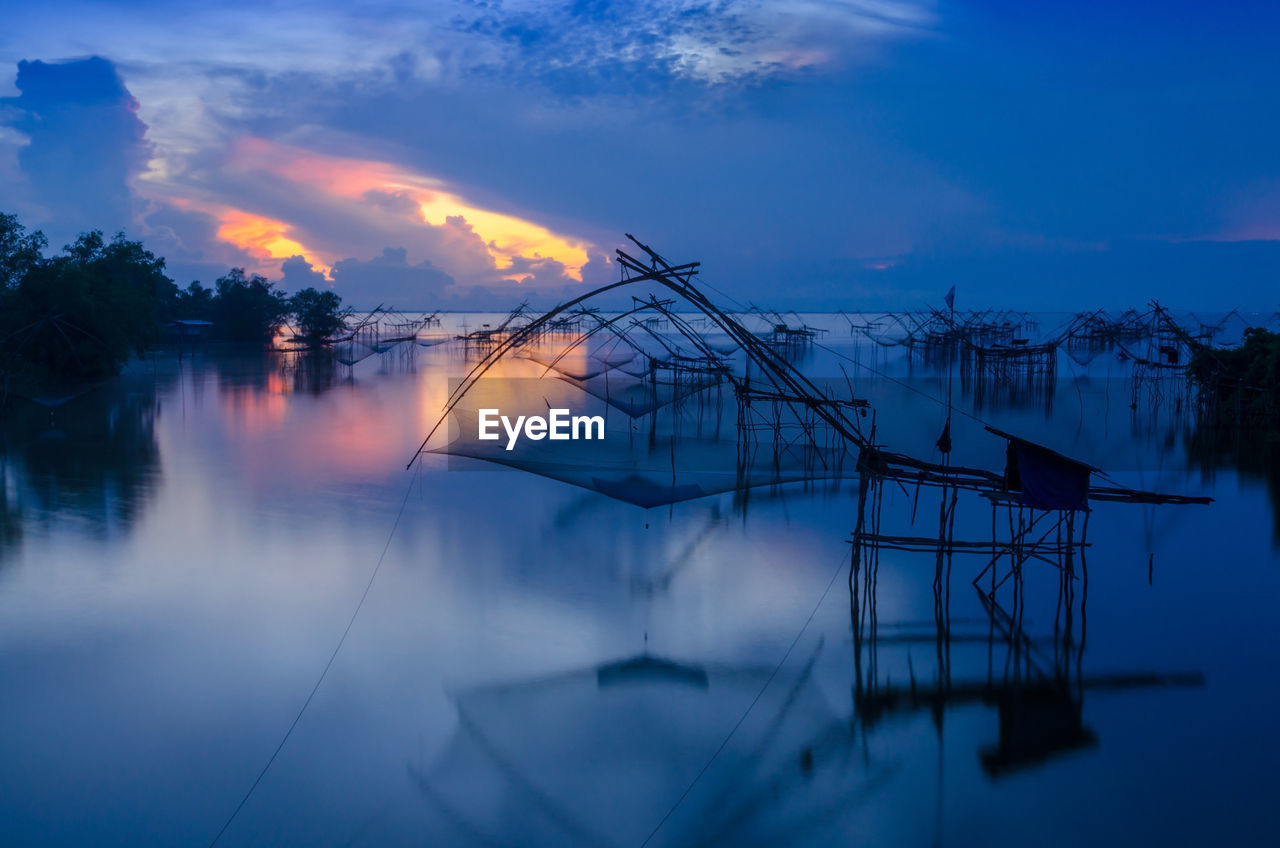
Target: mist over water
{"x": 545, "y": 662}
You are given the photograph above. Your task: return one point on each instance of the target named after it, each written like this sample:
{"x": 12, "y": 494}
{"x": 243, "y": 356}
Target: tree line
{"x": 80, "y": 314}
{"x": 1239, "y": 388}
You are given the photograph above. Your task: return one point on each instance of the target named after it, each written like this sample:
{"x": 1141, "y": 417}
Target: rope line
{"x": 750, "y": 707}
{"x": 323, "y": 673}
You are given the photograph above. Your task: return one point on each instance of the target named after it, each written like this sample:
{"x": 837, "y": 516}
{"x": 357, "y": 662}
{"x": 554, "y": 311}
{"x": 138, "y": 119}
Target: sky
{"x": 812, "y": 154}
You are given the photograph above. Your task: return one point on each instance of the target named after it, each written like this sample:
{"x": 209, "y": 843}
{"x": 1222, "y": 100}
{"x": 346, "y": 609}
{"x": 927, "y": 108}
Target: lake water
{"x": 541, "y": 663}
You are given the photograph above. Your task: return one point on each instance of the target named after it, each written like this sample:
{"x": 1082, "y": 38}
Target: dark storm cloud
{"x": 86, "y": 144}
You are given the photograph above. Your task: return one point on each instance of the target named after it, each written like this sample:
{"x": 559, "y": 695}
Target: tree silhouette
{"x": 80, "y": 314}
{"x": 248, "y": 308}
{"x": 319, "y": 314}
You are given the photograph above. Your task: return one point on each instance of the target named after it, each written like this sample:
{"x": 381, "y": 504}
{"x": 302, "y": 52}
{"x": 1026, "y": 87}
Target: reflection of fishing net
{"x": 597, "y": 757}
{"x": 52, "y": 397}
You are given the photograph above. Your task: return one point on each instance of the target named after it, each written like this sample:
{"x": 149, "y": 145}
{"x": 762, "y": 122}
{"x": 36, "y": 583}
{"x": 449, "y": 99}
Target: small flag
{"x": 951, "y": 298}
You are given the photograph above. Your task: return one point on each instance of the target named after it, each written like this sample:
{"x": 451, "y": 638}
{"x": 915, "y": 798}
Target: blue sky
{"x": 813, "y": 154}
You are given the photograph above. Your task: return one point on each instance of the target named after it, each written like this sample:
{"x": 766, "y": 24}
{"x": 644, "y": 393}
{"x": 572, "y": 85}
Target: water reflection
{"x": 1255, "y": 455}
{"x": 649, "y": 749}
{"x": 541, "y": 663}
{"x": 591, "y": 756}
{"x": 91, "y": 464}
{"x": 1036, "y": 682}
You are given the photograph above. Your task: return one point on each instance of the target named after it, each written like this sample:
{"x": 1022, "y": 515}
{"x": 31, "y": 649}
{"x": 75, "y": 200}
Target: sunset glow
{"x": 263, "y": 238}
{"x": 504, "y": 236}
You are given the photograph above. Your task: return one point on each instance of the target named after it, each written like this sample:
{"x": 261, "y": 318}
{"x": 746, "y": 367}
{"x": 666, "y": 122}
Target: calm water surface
{"x": 538, "y": 663}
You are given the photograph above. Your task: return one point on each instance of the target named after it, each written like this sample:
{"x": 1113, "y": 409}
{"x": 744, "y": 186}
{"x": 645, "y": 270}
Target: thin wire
{"x": 325, "y": 671}
{"x": 750, "y": 707}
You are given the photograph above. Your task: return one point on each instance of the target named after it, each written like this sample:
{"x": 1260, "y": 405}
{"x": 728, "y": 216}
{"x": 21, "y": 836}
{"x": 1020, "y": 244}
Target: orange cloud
{"x": 263, "y": 238}
{"x": 505, "y": 236}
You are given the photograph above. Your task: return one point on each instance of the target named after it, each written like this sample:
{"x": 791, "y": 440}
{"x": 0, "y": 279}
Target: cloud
{"x": 188, "y": 240}
{"x": 273, "y": 200}
{"x": 598, "y": 44}
{"x": 297, "y": 274}
{"x": 390, "y": 280}
{"x": 817, "y": 150}
{"x": 85, "y": 145}
{"x": 441, "y": 136}
{"x": 628, "y": 45}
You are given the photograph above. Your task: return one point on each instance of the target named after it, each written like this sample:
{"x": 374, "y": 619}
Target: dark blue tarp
{"x": 1047, "y": 480}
